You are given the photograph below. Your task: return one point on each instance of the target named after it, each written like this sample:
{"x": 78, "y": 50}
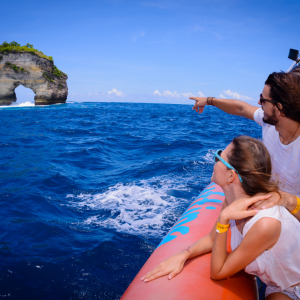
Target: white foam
{"x": 143, "y": 208}
{"x": 146, "y": 208}
{"x": 209, "y": 157}
{"x": 27, "y": 104}
{"x": 16, "y": 104}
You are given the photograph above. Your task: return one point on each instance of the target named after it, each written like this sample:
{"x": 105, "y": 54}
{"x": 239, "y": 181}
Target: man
{"x": 279, "y": 117}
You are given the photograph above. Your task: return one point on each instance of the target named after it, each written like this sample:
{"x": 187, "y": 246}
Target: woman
{"x": 265, "y": 243}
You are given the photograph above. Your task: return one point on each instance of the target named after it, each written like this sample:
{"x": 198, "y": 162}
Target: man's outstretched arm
{"x": 230, "y": 106}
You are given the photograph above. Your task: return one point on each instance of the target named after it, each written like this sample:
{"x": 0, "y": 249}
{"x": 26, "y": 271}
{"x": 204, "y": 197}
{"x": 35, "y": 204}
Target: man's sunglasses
{"x": 262, "y": 100}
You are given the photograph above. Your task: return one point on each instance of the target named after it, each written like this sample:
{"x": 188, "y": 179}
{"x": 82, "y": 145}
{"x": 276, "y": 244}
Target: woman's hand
{"x": 200, "y": 103}
{"x": 172, "y": 266}
{"x": 240, "y": 209}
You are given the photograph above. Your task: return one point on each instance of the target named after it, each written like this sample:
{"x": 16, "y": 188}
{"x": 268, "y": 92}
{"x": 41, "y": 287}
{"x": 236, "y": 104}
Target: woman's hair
{"x": 252, "y": 160}
{"x": 285, "y": 89}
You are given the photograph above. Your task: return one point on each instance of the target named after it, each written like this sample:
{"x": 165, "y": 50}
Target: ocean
{"x": 88, "y": 190}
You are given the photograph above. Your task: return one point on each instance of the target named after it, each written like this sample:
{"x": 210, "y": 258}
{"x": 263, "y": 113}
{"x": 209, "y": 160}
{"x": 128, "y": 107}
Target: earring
{"x": 227, "y": 182}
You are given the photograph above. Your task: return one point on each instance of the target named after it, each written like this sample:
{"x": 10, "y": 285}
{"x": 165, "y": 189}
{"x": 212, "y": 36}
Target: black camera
{"x": 293, "y": 55}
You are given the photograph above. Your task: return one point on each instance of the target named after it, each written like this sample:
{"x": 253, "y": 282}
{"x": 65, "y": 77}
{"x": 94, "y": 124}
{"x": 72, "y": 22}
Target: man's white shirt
{"x": 285, "y": 158}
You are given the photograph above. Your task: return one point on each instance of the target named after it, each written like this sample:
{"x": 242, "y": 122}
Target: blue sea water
{"x": 88, "y": 190}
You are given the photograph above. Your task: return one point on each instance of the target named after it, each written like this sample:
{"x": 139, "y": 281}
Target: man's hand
{"x": 240, "y": 209}
{"x": 267, "y": 203}
{"x": 200, "y": 103}
{"x": 287, "y": 200}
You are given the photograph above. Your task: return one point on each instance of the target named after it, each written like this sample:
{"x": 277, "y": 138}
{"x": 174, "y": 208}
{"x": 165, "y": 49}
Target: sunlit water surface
{"x": 88, "y": 190}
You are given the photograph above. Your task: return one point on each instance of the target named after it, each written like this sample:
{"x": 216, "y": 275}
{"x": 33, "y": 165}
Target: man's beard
{"x": 272, "y": 120}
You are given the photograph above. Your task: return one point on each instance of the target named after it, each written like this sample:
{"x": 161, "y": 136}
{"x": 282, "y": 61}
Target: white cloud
{"x": 187, "y": 95}
{"x": 222, "y": 96}
{"x": 156, "y": 93}
{"x": 175, "y": 94}
{"x": 171, "y": 94}
{"x": 115, "y": 92}
{"x": 237, "y": 96}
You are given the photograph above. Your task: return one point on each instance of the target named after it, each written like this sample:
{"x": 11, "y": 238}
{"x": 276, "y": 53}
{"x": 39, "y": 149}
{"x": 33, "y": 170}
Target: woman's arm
{"x": 262, "y": 236}
{"x": 174, "y": 265}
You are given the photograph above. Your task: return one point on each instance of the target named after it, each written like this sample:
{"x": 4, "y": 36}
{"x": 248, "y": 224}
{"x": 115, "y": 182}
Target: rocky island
{"x": 24, "y": 65}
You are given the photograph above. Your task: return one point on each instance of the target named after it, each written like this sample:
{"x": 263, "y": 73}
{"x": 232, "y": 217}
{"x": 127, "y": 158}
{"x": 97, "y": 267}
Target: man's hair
{"x": 285, "y": 89}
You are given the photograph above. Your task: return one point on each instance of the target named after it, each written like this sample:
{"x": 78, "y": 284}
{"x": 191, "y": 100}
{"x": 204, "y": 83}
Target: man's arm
{"x": 230, "y": 106}
{"x": 289, "y": 201}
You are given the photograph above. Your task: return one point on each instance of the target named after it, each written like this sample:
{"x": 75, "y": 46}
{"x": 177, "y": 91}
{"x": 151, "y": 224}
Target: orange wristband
{"x": 222, "y": 228}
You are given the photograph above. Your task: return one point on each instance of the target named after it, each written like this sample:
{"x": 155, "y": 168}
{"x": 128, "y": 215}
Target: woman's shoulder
{"x": 276, "y": 212}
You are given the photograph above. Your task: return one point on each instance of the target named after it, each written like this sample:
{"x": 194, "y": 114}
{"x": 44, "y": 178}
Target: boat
{"x": 194, "y": 281}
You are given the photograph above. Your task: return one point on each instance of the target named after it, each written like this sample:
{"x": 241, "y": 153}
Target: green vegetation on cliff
{"x": 16, "y": 68}
{"x": 15, "y": 47}
{"x": 57, "y": 72}
{"x": 47, "y": 77}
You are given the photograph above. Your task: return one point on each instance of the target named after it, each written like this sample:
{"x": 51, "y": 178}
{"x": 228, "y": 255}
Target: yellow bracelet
{"x": 222, "y": 228}
{"x": 297, "y": 207}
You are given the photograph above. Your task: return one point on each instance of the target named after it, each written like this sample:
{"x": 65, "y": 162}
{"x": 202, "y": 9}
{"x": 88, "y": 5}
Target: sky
{"x": 157, "y": 51}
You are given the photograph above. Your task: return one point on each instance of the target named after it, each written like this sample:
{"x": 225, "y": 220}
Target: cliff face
{"x": 34, "y": 72}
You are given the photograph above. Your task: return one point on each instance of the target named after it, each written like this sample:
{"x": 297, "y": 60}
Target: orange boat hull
{"x": 194, "y": 281}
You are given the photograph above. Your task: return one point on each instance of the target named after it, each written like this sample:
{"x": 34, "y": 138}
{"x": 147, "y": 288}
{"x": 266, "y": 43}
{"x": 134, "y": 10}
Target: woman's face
{"x": 221, "y": 173}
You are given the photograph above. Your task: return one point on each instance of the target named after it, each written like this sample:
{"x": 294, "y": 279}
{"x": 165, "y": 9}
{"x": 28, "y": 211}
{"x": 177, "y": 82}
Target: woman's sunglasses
{"x": 218, "y": 157}
{"x": 262, "y": 100}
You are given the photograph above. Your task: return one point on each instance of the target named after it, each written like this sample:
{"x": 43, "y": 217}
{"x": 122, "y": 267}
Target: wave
{"x": 16, "y": 104}
{"x": 145, "y": 208}
{"x": 29, "y": 104}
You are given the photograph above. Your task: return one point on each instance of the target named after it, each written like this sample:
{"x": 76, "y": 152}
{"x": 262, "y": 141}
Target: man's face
{"x": 270, "y": 110}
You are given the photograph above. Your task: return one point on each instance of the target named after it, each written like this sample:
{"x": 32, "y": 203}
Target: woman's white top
{"x": 279, "y": 266}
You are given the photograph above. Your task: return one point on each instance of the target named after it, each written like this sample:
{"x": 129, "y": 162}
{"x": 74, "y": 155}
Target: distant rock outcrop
{"x": 23, "y": 65}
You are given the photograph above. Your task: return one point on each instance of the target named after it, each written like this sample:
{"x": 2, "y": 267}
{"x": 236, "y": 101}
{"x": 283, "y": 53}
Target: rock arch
{"x": 34, "y": 72}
